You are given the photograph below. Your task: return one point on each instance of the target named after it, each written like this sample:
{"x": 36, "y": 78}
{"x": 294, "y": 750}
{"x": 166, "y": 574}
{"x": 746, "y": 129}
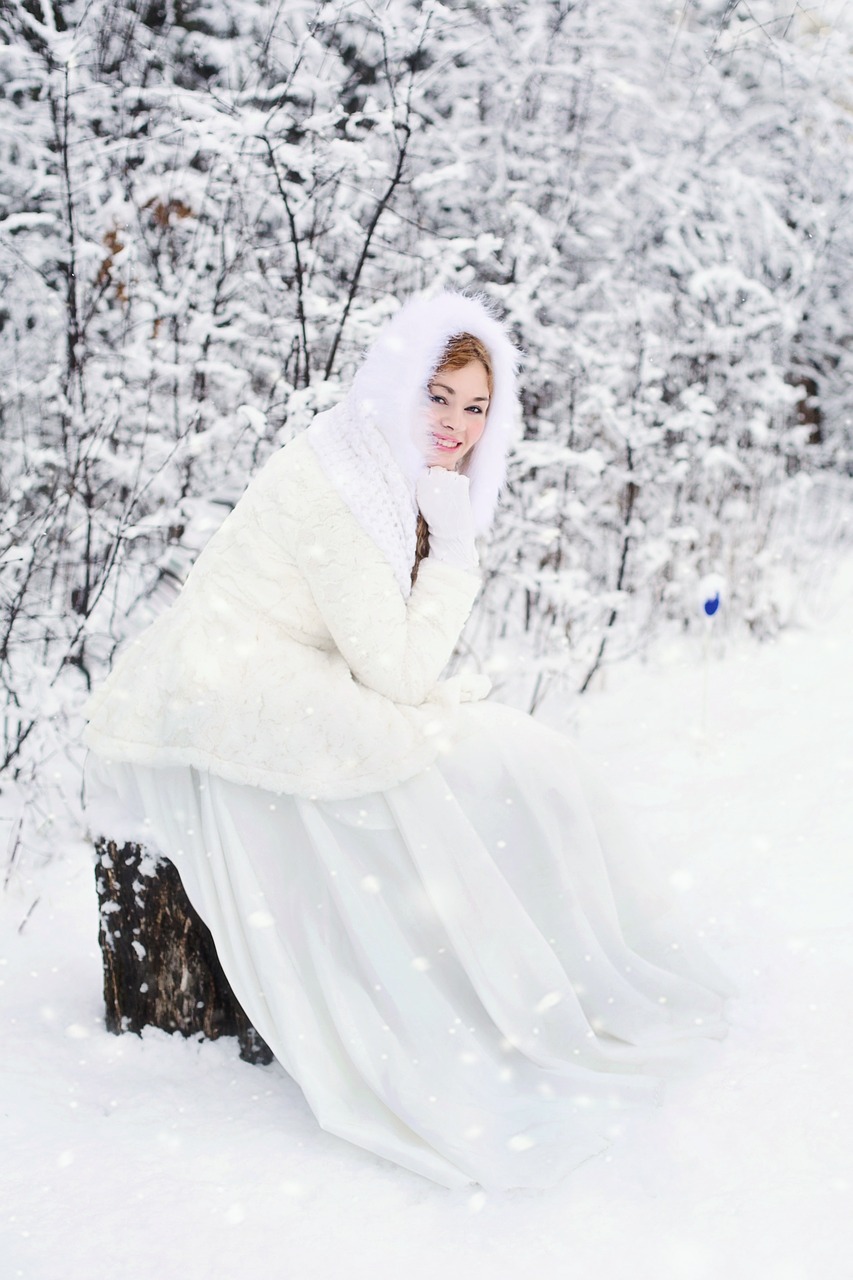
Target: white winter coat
{"x": 298, "y": 657}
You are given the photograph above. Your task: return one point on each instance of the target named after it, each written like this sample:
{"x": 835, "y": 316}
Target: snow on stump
{"x": 160, "y": 964}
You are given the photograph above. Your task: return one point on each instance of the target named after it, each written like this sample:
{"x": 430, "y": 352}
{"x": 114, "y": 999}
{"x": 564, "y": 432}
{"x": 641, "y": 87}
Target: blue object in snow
{"x": 712, "y": 605}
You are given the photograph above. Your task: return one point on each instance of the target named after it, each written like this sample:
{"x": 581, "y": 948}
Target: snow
{"x": 134, "y": 1157}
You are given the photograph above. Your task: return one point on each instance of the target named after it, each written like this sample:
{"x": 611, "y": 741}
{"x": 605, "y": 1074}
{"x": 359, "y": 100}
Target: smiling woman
{"x": 460, "y": 391}
{"x": 420, "y": 899}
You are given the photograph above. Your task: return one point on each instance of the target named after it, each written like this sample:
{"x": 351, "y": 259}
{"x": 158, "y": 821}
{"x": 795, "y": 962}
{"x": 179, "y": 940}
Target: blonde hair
{"x": 461, "y": 350}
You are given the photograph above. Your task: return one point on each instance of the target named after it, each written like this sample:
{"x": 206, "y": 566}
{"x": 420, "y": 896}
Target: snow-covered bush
{"x": 208, "y": 210}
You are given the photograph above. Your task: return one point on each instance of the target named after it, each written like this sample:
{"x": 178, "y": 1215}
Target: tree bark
{"x": 160, "y": 963}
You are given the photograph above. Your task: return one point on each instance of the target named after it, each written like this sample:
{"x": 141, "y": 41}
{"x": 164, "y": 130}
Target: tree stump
{"x": 160, "y": 964}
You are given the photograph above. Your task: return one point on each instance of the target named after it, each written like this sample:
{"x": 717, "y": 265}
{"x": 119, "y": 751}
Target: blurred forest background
{"x": 208, "y": 207}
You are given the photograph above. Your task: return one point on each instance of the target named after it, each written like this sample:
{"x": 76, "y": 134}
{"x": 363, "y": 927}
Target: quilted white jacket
{"x": 298, "y": 657}
{"x": 291, "y": 660}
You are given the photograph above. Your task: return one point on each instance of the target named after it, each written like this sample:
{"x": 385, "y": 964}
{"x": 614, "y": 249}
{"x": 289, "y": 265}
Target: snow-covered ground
{"x": 132, "y": 1158}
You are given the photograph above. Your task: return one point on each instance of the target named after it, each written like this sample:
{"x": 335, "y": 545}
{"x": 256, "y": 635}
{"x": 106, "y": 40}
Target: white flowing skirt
{"x": 470, "y": 974}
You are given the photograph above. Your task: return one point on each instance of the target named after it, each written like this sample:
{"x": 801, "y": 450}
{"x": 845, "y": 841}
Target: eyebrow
{"x": 445, "y": 387}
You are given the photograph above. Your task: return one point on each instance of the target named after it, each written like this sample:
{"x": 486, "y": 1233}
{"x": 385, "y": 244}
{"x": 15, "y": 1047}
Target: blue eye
{"x": 437, "y": 399}
{"x": 475, "y": 408}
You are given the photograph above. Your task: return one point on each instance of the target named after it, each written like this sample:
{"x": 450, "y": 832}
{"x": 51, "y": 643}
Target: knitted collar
{"x": 357, "y": 459}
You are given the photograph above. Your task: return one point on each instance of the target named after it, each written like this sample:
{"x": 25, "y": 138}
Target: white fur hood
{"x": 373, "y": 445}
{"x": 390, "y": 389}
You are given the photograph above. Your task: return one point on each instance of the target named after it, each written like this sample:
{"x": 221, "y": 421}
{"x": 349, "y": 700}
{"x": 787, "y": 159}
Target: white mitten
{"x": 445, "y": 504}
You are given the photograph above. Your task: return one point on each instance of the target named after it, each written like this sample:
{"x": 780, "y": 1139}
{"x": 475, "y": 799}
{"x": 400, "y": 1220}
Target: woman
{"x": 420, "y": 902}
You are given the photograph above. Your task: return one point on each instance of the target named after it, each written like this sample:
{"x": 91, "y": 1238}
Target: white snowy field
{"x": 131, "y": 1158}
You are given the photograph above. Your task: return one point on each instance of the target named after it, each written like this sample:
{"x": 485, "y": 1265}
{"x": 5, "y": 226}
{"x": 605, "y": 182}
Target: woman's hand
{"x": 445, "y": 503}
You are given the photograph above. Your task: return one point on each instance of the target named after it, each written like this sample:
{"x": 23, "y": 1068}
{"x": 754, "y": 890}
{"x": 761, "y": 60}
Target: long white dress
{"x": 469, "y": 973}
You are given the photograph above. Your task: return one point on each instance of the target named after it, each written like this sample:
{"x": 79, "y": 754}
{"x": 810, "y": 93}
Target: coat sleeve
{"x": 394, "y": 646}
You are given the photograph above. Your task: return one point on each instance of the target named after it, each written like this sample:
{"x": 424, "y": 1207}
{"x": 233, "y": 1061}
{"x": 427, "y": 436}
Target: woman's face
{"x": 459, "y": 400}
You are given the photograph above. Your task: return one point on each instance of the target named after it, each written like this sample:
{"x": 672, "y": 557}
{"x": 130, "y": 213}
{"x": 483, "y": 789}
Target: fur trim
{"x": 389, "y": 389}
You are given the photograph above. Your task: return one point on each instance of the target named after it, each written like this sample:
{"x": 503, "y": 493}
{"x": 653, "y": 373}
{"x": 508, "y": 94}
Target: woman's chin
{"x": 449, "y": 459}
